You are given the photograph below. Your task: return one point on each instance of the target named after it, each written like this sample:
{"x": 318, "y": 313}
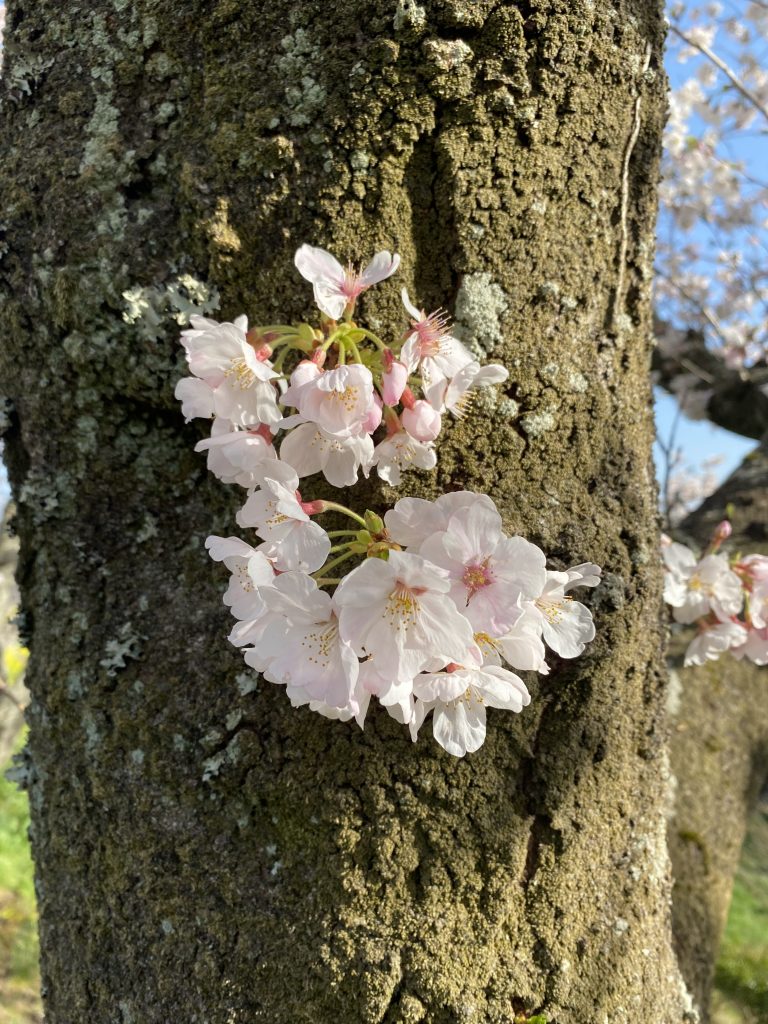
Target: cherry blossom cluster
{"x": 347, "y": 386}
{"x": 725, "y": 597}
{"x": 427, "y": 609}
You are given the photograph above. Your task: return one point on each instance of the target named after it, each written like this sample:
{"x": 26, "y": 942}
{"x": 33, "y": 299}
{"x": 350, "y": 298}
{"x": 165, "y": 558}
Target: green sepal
{"x": 374, "y": 522}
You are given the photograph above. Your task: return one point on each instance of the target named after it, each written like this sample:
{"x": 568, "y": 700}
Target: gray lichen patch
{"x": 149, "y": 308}
{"x": 535, "y": 424}
{"x": 304, "y": 96}
{"x": 127, "y": 646}
{"x": 45, "y": 493}
{"x": 23, "y": 76}
{"x": 247, "y": 682}
{"x": 409, "y": 14}
{"x": 480, "y": 302}
{"x": 447, "y": 54}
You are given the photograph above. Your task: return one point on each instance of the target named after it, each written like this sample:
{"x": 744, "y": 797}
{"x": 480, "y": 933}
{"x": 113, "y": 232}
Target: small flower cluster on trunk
{"x": 435, "y": 605}
{"x": 727, "y": 599}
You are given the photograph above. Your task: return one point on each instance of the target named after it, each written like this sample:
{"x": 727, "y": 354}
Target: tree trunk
{"x": 719, "y": 748}
{"x": 204, "y": 853}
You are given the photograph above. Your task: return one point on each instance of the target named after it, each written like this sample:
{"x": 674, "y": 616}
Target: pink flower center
{"x": 477, "y": 576}
{"x": 431, "y": 331}
{"x": 352, "y": 285}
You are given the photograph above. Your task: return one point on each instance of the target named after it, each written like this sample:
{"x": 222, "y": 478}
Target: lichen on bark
{"x": 203, "y": 852}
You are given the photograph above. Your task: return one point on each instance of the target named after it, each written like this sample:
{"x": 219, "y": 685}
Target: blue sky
{"x": 699, "y": 439}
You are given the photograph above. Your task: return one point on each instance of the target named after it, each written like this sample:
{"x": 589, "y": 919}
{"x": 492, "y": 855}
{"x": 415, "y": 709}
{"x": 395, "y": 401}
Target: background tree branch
{"x": 735, "y": 399}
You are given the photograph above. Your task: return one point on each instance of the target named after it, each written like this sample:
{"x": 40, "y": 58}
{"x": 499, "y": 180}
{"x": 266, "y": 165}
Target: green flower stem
{"x": 331, "y": 506}
{"x": 278, "y": 363}
{"x": 336, "y": 561}
{"x": 276, "y": 328}
{"x": 331, "y": 340}
{"x": 284, "y": 339}
{"x": 355, "y": 351}
{"x": 374, "y": 338}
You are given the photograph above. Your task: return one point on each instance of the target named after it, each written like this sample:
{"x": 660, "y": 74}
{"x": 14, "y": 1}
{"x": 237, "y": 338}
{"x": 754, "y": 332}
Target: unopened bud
{"x": 312, "y": 508}
{"x": 723, "y": 531}
{"x": 374, "y": 522}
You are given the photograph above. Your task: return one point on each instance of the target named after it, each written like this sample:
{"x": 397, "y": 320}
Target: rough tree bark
{"x": 719, "y": 748}
{"x": 203, "y": 852}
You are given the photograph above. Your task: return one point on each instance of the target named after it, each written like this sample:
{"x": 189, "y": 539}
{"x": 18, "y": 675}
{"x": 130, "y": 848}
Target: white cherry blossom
{"x": 291, "y": 538}
{"x": 456, "y": 396}
{"x": 339, "y": 401}
{"x": 711, "y": 641}
{"x": 566, "y": 624}
{"x": 220, "y": 355}
{"x": 309, "y": 450}
{"x": 400, "y": 613}
{"x": 302, "y": 648}
{"x": 234, "y": 454}
{"x": 489, "y": 572}
{"x": 432, "y": 349}
{"x": 335, "y": 288}
{"x": 694, "y": 588}
{"x": 458, "y": 699}
{"x": 251, "y": 572}
{"x": 412, "y": 520}
{"x": 398, "y": 452}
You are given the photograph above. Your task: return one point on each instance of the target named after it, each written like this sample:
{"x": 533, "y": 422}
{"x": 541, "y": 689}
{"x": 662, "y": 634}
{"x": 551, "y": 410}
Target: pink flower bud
{"x": 408, "y": 398}
{"x": 723, "y": 531}
{"x": 393, "y": 382}
{"x": 373, "y": 419}
{"x": 312, "y": 508}
{"x": 263, "y": 353}
{"x": 422, "y": 421}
